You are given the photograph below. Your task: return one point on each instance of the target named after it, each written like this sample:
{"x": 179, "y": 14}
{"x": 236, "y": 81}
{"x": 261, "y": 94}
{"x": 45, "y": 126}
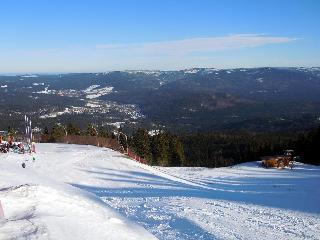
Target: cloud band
{"x": 198, "y": 45}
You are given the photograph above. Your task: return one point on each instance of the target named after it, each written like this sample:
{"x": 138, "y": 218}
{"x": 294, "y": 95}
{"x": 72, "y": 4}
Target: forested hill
{"x": 198, "y": 99}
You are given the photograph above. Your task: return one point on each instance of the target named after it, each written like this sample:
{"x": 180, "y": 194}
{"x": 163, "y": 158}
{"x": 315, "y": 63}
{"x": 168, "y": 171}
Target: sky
{"x": 45, "y": 36}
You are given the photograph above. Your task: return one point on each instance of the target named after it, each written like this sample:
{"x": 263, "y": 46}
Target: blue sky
{"x": 92, "y": 35}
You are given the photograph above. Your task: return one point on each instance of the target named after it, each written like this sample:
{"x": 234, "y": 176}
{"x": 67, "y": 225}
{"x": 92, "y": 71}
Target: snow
{"x": 211, "y": 70}
{"x": 30, "y": 76}
{"x": 93, "y": 104}
{"x": 45, "y": 91}
{"x": 146, "y": 72}
{"x": 90, "y": 88}
{"x": 154, "y": 132}
{"x": 95, "y": 92}
{"x": 116, "y": 124}
{"x": 55, "y": 114}
{"x": 59, "y": 197}
{"x": 39, "y": 205}
{"x": 192, "y": 70}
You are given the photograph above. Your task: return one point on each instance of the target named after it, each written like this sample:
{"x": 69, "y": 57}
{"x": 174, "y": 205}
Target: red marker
{"x": 1, "y": 212}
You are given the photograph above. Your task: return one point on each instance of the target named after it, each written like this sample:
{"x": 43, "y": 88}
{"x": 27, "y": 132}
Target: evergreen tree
{"x": 73, "y": 129}
{"x": 307, "y": 146}
{"x": 167, "y": 150}
{"x": 11, "y": 131}
{"x": 45, "y": 131}
{"x": 177, "y": 157}
{"x": 160, "y": 150}
{"x": 57, "y": 133}
{"x": 123, "y": 140}
{"x": 141, "y": 144}
{"x": 91, "y": 130}
{"x": 102, "y": 132}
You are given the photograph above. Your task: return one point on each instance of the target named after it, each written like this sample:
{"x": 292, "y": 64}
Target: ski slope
{"x": 86, "y": 192}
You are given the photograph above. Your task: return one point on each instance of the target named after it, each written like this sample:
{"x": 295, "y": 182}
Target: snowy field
{"x": 85, "y": 192}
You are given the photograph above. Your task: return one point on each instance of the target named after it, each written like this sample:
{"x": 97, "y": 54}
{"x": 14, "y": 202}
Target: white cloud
{"x": 197, "y": 45}
{"x": 168, "y": 55}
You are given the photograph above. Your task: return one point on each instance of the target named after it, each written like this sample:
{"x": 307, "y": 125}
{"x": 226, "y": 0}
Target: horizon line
{"x": 145, "y": 70}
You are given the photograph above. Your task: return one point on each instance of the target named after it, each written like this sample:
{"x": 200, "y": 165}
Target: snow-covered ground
{"x": 58, "y": 196}
{"x": 94, "y": 92}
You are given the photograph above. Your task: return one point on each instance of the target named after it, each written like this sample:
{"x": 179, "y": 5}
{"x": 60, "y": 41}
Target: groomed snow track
{"x": 86, "y": 192}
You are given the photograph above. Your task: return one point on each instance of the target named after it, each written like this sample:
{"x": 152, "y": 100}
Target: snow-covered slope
{"x": 38, "y": 205}
{"x": 59, "y": 197}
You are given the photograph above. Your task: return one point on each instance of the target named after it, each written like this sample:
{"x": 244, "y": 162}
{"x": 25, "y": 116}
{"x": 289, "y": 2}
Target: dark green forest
{"x": 211, "y": 149}
{"x": 219, "y": 149}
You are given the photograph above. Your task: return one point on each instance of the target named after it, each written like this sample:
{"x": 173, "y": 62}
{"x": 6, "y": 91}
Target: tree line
{"x": 220, "y": 149}
{"x": 212, "y": 149}
{"x": 59, "y": 131}
{"x": 307, "y": 146}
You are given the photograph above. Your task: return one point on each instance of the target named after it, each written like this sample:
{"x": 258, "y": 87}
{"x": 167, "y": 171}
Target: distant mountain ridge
{"x": 188, "y": 100}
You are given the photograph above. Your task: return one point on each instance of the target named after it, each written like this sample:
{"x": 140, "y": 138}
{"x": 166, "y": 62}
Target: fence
{"x": 134, "y": 156}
